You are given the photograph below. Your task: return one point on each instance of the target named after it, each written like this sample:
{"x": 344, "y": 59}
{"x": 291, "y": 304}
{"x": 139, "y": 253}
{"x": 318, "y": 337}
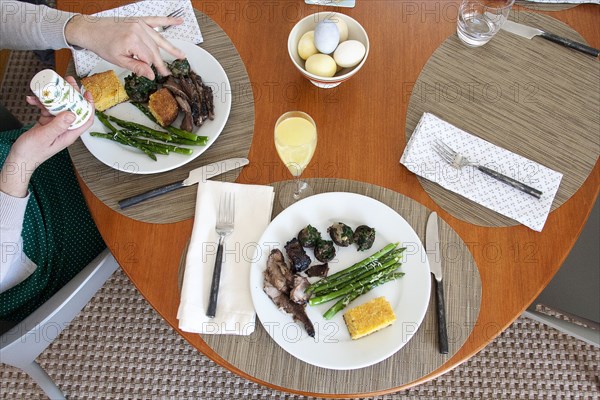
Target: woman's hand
{"x": 46, "y": 138}
{"x": 130, "y": 43}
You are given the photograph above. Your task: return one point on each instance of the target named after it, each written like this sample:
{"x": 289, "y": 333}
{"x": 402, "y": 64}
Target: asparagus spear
{"x": 171, "y": 129}
{"x": 347, "y": 299}
{"x": 366, "y": 280}
{"x": 338, "y": 275}
{"x": 135, "y": 126}
{"x": 103, "y": 118}
{"x": 167, "y": 147}
{"x": 119, "y": 137}
{"x": 357, "y": 275}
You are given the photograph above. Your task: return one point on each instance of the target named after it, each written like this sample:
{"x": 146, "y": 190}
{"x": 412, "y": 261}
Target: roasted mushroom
{"x": 179, "y": 68}
{"x": 364, "y": 237}
{"x": 299, "y": 259}
{"x": 309, "y": 236}
{"x": 341, "y": 234}
{"x": 324, "y": 251}
{"x": 139, "y": 88}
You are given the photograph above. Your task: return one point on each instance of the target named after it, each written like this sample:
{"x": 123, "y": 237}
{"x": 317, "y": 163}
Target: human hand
{"x": 46, "y": 138}
{"x": 130, "y": 43}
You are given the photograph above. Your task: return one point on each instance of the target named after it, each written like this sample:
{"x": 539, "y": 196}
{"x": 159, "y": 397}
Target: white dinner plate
{"x": 129, "y": 159}
{"x": 332, "y": 346}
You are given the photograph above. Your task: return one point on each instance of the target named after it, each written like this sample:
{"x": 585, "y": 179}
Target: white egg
{"x": 349, "y": 53}
{"x": 327, "y": 36}
{"x": 342, "y": 27}
{"x": 306, "y": 45}
{"x": 321, "y": 65}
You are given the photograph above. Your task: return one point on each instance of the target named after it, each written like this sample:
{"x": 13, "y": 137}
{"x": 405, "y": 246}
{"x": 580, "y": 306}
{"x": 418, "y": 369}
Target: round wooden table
{"x": 361, "y": 137}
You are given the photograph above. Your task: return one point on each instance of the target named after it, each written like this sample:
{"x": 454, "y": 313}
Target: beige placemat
{"x": 532, "y": 97}
{"x": 110, "y": 185}
{"x": 545, "y": 6}
{"x": 259, "y": 356}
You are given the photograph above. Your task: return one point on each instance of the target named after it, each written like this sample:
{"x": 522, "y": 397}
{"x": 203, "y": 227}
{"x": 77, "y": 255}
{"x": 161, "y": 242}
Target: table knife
{"x": 432, "y": 244}
{"x": 530, "y": 32}
{"x": 200, "y": 174}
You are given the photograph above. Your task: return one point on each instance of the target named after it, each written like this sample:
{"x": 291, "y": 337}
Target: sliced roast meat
{"x": 297, "y": 311}
{"x": 320, "y": 270}
{"x": 298, "y": 257}
{"x": 298, "y": 293}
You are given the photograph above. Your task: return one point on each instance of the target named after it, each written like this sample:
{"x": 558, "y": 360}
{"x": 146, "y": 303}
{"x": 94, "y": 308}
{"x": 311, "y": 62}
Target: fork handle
{"x": 510, "y": 181}
{"x": 216, "y": 279}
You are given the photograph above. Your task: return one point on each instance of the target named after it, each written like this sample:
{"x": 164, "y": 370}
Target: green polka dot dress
{"x": 59, "y": 235}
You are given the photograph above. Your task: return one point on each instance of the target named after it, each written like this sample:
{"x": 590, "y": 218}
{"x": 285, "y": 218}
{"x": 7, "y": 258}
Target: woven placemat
{"x": 545, "y": 6}
{"x": 532, "y": 97}
{"x": 110, "y": 185}
{"x": 259, "y": 356}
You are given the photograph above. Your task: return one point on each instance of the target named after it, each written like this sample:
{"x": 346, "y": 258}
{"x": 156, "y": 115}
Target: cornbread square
{"x": 163, "y": 106}
{"x": 369, "y": 317}
{"x": 106, "y": 89}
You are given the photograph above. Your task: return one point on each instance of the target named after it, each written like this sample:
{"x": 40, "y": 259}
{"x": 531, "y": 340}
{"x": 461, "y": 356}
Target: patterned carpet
{"x": 119, "y": 348}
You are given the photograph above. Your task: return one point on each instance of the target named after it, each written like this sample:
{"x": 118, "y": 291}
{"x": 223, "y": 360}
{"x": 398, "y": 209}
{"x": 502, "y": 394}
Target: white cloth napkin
{"x": 419, "y": 157}
{"x": 85, "y": 60}
{"x": 235, "y": 310}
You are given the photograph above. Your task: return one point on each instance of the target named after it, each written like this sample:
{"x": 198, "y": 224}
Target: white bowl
{"x": 355, "y": 32}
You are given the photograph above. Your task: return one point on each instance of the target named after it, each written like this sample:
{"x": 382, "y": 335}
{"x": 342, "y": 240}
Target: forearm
{"x": 14, "y": 177}
{"x": 25, "y": 26}
{"x": 14, "y": 265}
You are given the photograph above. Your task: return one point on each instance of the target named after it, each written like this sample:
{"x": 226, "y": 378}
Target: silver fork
{"x": 224, "y": 226}
{"x": 459, "y": 161}
{"x": 175, "y": 14}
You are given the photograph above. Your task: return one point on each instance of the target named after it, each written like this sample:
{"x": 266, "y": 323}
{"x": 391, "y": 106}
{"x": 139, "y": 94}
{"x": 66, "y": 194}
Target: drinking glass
{"x": 295, "y": 141}
{"x": 480, "y": 20}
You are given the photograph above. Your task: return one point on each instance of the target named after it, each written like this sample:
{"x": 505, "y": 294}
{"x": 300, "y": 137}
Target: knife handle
{"x": 571, "y": 43}
{"x": 130, "y": 201}
{"x": 441, "y": 317}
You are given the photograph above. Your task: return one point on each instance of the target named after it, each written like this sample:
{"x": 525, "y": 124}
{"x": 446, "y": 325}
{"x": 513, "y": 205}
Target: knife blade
{"x": 529, "y": 32}
{"x": 200, "y": 174}
{"x": 432, "y": 246}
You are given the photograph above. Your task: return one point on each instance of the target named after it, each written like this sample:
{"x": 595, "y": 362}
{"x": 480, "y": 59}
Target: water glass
{"x": 480, "y": 20}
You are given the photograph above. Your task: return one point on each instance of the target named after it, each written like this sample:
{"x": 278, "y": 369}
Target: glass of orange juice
{"x": 296, "y": 141}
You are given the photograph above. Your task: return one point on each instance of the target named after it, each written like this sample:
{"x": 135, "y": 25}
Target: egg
{"x": 342, "y": 27}
{"x": 321, "y": 65}
{"x": 306, "y": 45}
{"x": 327, "y": 36}
{"x": 349, "y": 53}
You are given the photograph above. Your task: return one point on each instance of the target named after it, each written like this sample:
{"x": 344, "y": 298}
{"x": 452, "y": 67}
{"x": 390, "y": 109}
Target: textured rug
{"x": 120, "y": 348}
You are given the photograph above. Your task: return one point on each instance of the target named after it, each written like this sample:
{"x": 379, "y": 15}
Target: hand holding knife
{"x": 432, "y": 245}
{"x": 196, "y": 175}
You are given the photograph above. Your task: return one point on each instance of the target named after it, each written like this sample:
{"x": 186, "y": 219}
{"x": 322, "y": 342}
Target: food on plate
{"x": 190, "y": 94}
{"x": 163, "y": 107}
{"x": 139, "y": 88}
{"x": 298, "y": 293}
{"x": 179, "y": 68}
{"x": 319, "y": 270}
{"x": 369, "y": 317}
{"x": 364, "y": 237}
{"x": 341, "y": 234}
{"x": 309, "y": 236}
{"x": 106, "y": 89}
{"x": 356, "y": 280}
{"x": 279, "y": 284}
{"x": 324, "y": 251}
{"x": 299, "y": 259}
